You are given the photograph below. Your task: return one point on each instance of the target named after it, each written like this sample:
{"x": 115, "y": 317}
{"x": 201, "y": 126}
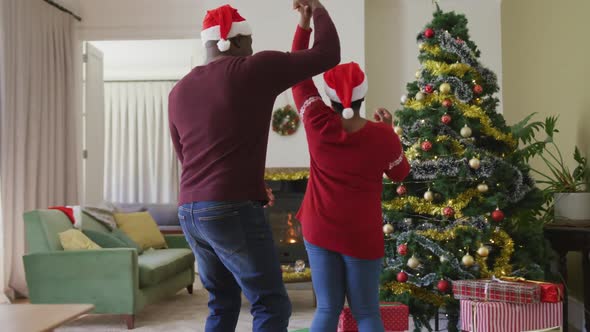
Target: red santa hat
{"x": 346, "y": 84}
{"x": 222, "y": 24}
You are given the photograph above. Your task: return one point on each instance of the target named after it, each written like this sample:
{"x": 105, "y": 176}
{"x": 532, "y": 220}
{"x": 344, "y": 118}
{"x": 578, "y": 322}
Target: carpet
{"x": 187, "y": 313}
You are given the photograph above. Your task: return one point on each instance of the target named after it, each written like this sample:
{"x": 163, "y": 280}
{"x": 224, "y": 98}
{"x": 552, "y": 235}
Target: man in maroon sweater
{"x": 219, "y": 122}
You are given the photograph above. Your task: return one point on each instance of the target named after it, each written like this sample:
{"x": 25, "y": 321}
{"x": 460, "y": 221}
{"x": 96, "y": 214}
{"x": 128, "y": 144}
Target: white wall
{"x": 392, "y": 52}
{"x": 149, "y": 59}
{"x": 273, "y": 23}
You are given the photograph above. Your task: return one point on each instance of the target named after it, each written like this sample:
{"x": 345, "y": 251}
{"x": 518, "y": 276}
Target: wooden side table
{"x": 565, "y": 238}
{"x": 39, "y": 317}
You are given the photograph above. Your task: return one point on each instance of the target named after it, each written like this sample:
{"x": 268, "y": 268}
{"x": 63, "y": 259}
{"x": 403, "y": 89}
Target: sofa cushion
{"x": 73, "y": 239}
{"x": 163, "y": 214}
{"x": 43, "y": 227}
{"x": 156, "y": 266}
{"x": 142, "y": 229}
{"x": 104, "y": 240}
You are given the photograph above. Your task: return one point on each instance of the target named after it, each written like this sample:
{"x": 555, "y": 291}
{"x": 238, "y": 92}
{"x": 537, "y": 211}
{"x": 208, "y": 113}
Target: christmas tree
{"x": 469, "y": 208}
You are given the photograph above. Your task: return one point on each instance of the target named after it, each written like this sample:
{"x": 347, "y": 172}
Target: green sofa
{"x": 116, "y": 280}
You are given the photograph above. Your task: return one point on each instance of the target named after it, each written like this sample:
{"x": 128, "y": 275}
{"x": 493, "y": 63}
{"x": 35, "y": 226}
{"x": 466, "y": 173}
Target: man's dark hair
{"x": 356, "y": 106}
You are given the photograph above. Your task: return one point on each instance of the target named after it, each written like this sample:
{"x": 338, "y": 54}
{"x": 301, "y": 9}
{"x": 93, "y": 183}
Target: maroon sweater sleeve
{"x": 279, "y": 71}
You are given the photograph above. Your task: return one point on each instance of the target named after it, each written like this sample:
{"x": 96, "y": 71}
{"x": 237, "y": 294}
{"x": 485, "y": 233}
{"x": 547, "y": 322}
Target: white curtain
{"x": 39, "y": 160}
{"x": 140, "y": 163}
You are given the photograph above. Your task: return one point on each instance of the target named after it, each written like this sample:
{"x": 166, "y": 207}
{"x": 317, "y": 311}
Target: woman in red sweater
{"x": 341, "y": 212}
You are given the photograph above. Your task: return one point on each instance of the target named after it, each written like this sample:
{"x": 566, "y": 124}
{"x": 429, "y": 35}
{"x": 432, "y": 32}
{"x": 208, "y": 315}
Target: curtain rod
{"x": 63, "y": 9}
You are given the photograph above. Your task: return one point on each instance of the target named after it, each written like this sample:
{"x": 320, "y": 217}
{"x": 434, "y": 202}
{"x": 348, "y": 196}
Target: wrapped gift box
{"x": 395, "y": 318}
{"x": 509, "y": 317}
{"x": 549, "y": 292}
{"x": 497, "y": 291}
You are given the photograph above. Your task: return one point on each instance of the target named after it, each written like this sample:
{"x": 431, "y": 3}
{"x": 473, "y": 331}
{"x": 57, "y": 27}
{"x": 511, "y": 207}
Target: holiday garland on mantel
{"x": 469, "y": 206}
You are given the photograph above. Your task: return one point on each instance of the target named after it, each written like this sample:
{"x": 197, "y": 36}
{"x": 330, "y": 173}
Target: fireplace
{"x": 285, "y": 227}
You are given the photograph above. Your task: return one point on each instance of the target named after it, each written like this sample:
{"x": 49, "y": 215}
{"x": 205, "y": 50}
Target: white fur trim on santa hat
{"x": 237, "y": 28}
{"x": 358, "y": 93}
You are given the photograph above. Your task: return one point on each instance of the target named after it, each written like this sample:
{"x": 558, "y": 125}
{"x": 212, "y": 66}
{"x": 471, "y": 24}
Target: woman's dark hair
{"x": 356, "y": 106}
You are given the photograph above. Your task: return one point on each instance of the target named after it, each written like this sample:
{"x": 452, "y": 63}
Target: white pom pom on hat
{"x": 346, "y": 84}
{"x": 348, "y": 113}
{"x": 223, "y": 45}
{"x": 223, "y": 23}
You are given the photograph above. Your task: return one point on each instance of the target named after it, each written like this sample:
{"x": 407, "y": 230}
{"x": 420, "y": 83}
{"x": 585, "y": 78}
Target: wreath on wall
{"x": 285, "y": 121}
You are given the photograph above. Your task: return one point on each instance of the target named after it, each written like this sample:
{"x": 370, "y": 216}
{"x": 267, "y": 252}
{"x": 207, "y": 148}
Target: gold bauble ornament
{"x": 475, "y": 163}
{"x": 429, "y": 196}
{"x": 483, "y": 251}
{"x": 482, "y": 188}
{"x": 468, "y": 260}
{"x": 445, "y": 88}
{"x": 420, "y": 96}
{"x": 418, "y": 74}
{"x": 413, "y": 262}
{"x": 422, "y": 46}
{"x": 443, "y": 259}
{"x": 466, "y": 132}
{"x": 387, "y": 229}
{"x": 404, "y": 99}
{"x": 398, "y": 130}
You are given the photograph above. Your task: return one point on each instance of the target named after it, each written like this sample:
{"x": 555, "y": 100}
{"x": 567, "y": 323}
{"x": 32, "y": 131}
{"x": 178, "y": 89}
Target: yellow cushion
{"x": 73, "y": 239}
{"x": 142, "y": 229}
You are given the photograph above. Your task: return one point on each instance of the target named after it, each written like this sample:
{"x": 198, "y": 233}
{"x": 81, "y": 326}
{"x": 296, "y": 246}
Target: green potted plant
{"x": 567, "y": 192}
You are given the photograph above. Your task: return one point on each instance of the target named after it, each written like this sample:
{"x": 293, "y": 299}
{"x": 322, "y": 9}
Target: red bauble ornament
{"x": 402, "y": 249}
{"x": 402, "y": 277}
{"x": 448, "y": 212}
{"x": 426, "y": 146}
{"x": 428, "y": 89}
{"x": 443, "y": 286}
{"x": 478, "y": 89}
{"x": 429, "y": 33}
{"x": 498, "y": 215}
{"x": 401, "y": 190}
{"x": 446, "y": 119}
{"x": 447, "y": 103}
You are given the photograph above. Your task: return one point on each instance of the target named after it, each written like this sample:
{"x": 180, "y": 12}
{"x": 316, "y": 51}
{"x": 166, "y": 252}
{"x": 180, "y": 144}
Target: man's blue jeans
{"x": 233, "y": 245}
{"x": 335, "y": 276}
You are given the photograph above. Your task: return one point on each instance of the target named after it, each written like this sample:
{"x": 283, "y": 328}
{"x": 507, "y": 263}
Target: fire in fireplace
{"x": 285, "y": 226}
